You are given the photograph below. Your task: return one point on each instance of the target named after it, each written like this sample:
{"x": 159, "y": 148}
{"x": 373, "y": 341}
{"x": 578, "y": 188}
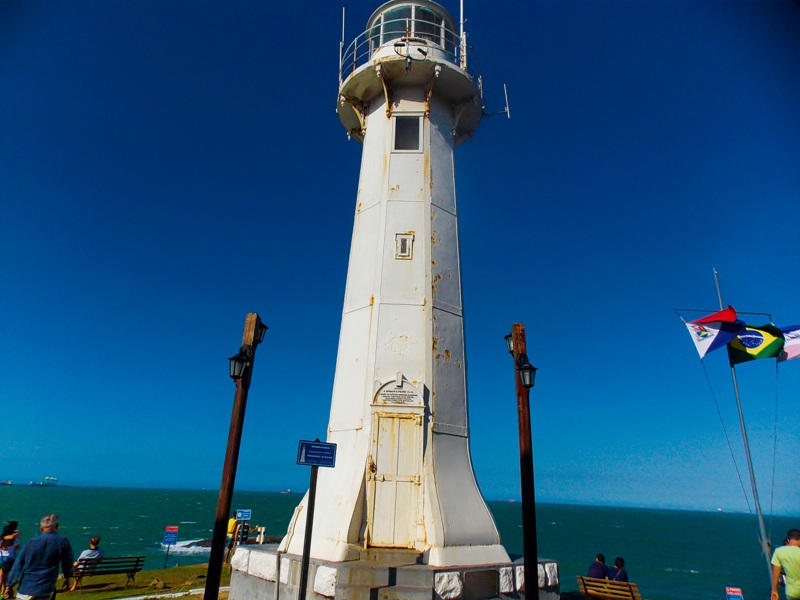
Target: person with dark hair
{"x": 618, "y": 572}
{"x": 93, "y": 550}
{"x": 36, "y": 567}
{"x": 786, "y": 558}
{"x": 598, "y": 568}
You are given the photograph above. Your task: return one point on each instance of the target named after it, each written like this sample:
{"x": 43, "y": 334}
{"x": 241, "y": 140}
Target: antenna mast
{"x": 341, "y": 49}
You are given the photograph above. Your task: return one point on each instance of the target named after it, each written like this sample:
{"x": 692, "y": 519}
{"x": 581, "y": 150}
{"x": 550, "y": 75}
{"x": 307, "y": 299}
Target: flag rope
{"x": 774, "y": 452}
{"x": 727, "y": 438}
{"x": 705, "y": 310}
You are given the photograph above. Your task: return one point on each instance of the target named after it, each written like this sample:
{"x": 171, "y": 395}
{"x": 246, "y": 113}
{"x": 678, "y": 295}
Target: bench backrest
{"x": 592, "y": 587}
{"x": 87, "y": 566}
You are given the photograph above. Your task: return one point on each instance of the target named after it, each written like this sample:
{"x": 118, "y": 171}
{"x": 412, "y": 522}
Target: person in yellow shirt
{"x": 787, "y": 559}
{"x": 231, "y": 537}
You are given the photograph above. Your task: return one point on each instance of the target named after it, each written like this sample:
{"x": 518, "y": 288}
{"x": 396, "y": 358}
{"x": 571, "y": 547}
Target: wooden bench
{"x": 108, "y": 565}
{"x": 605, "y": 588}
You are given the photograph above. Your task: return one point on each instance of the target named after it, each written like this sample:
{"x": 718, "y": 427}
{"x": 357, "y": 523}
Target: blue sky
{"x": 167, "y": 167}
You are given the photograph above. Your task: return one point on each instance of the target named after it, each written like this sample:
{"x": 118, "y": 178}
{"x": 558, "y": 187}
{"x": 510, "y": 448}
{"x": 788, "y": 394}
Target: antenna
{"x": 341, "y": 49}
{"x": 506, "y": 111}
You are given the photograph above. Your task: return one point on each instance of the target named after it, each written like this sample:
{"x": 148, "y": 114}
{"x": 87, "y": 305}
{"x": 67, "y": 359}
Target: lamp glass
{"x": 510, "y": 343}
{"x": 236, "y": 366}
{"x": 261, "y": 329}
{"x": 526, "y": 371}
{"x": 528, "y": 376}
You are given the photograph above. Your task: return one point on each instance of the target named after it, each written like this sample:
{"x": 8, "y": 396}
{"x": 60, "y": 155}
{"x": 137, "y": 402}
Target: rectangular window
{"x": 395, "y": 23}
{"x": 403, "y": 245}
{"x": 407, "y": 133}
{"x": 426, "y": 25}
{"x": 373, "y": 36}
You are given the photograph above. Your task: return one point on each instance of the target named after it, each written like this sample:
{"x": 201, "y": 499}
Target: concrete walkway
{"x": 193, "y": 592}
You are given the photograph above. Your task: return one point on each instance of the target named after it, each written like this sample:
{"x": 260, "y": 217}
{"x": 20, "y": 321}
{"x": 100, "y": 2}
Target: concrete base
{"x": 262, "y": 573}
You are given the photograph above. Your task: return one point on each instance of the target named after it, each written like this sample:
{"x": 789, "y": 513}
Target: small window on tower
{"x": 407, "y": 133}
{"x": 403, "y": 245}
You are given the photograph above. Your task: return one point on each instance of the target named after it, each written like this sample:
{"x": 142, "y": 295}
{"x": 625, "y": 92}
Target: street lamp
{"x": 526, "y": 371}
{"x": 239, "y": 361}
{"x": 241, "y": 371}
{"x": 524, "y": 378}
{"x": 261, "y": 330}
{"x": 237, "y": 365}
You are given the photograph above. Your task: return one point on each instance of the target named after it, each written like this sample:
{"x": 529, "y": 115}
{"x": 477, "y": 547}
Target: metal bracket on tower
{"x": 387, "y": 94}
{"x": 360, "y": 109}
{"x": 429, "y": 93}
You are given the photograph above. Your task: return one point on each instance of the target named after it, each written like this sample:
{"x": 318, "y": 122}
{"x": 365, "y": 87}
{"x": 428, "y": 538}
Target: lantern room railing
{"x": 387, "y": 32}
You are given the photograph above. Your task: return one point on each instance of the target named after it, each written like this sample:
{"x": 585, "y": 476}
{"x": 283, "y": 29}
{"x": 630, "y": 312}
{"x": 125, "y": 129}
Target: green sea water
{"x": 671, "y": 554}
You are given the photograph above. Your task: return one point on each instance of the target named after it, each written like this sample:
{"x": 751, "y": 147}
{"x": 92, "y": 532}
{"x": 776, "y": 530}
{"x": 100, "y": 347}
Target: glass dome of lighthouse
{"x": 422, "y": 26}
{"x": 408, "y": 43}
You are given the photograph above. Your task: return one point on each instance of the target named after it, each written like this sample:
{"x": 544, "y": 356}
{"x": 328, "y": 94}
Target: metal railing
{"x": 434, "y": 35}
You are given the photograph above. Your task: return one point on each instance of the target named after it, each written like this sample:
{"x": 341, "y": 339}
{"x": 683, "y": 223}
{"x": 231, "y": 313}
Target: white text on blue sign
{"x": 319, "y": 454}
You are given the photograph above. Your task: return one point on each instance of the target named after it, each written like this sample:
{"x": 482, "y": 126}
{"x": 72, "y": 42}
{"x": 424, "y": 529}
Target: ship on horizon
{"x": 45, "y": 482}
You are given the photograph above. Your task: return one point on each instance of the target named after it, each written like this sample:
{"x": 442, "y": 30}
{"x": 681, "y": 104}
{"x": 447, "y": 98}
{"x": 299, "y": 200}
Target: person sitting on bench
{"x": 618, "y": 572}
{"x": 598, "y": 568}
{"x": 92, "y": 552}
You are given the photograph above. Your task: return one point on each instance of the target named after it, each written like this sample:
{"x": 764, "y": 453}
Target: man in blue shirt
{"x": 36, "y": 567}
{"x": 598, "y": 568}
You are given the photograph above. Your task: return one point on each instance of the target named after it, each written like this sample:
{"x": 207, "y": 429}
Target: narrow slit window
{"x": 407, "y": 133}
{"x": 403, "y": 245}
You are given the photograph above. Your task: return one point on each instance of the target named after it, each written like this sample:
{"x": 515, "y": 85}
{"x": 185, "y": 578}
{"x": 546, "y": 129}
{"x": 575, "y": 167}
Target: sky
{"x": 168, "y": 167}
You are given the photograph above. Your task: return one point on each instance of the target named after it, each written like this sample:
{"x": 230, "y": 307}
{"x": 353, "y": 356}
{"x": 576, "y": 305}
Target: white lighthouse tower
{"x": 403, "y": 480}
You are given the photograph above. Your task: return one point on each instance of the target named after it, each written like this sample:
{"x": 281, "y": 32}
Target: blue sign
{"x": 170, "y": 538}
{"x": 243, "y": 514}
{"x": 316, "y": 454}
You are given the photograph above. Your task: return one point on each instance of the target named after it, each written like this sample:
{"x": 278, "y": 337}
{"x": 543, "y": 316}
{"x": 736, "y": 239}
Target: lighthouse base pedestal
{"x": 259, "y": 572}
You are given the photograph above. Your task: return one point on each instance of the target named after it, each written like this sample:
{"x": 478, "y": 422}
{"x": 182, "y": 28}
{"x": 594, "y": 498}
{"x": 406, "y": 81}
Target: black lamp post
{"x": 524, "y": 378}
{"x": 241, "y": 371}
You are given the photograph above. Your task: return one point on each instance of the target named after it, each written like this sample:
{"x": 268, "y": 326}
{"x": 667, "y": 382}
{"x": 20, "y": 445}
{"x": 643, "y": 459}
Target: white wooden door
{"x": 394, "y": 475}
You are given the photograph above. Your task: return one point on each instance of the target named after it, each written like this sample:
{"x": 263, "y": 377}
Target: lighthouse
{"x": 403, "y": 483}
{"x": 400, "y": 516}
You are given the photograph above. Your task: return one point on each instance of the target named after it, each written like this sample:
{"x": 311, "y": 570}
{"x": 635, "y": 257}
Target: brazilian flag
{"x": 764, "y": 341}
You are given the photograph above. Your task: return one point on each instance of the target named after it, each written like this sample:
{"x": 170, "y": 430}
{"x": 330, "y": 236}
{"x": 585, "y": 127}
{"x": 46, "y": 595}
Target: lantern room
{"x": 427, "y": 24}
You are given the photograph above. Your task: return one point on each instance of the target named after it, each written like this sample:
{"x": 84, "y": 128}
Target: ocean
{"x": 672, "y": 555}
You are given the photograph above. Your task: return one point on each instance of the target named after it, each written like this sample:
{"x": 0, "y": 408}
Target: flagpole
{"x": 761, "y": 529}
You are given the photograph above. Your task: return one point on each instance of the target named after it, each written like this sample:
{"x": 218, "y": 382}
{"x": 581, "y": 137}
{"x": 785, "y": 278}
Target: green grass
{"x": 155, "y": 582}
